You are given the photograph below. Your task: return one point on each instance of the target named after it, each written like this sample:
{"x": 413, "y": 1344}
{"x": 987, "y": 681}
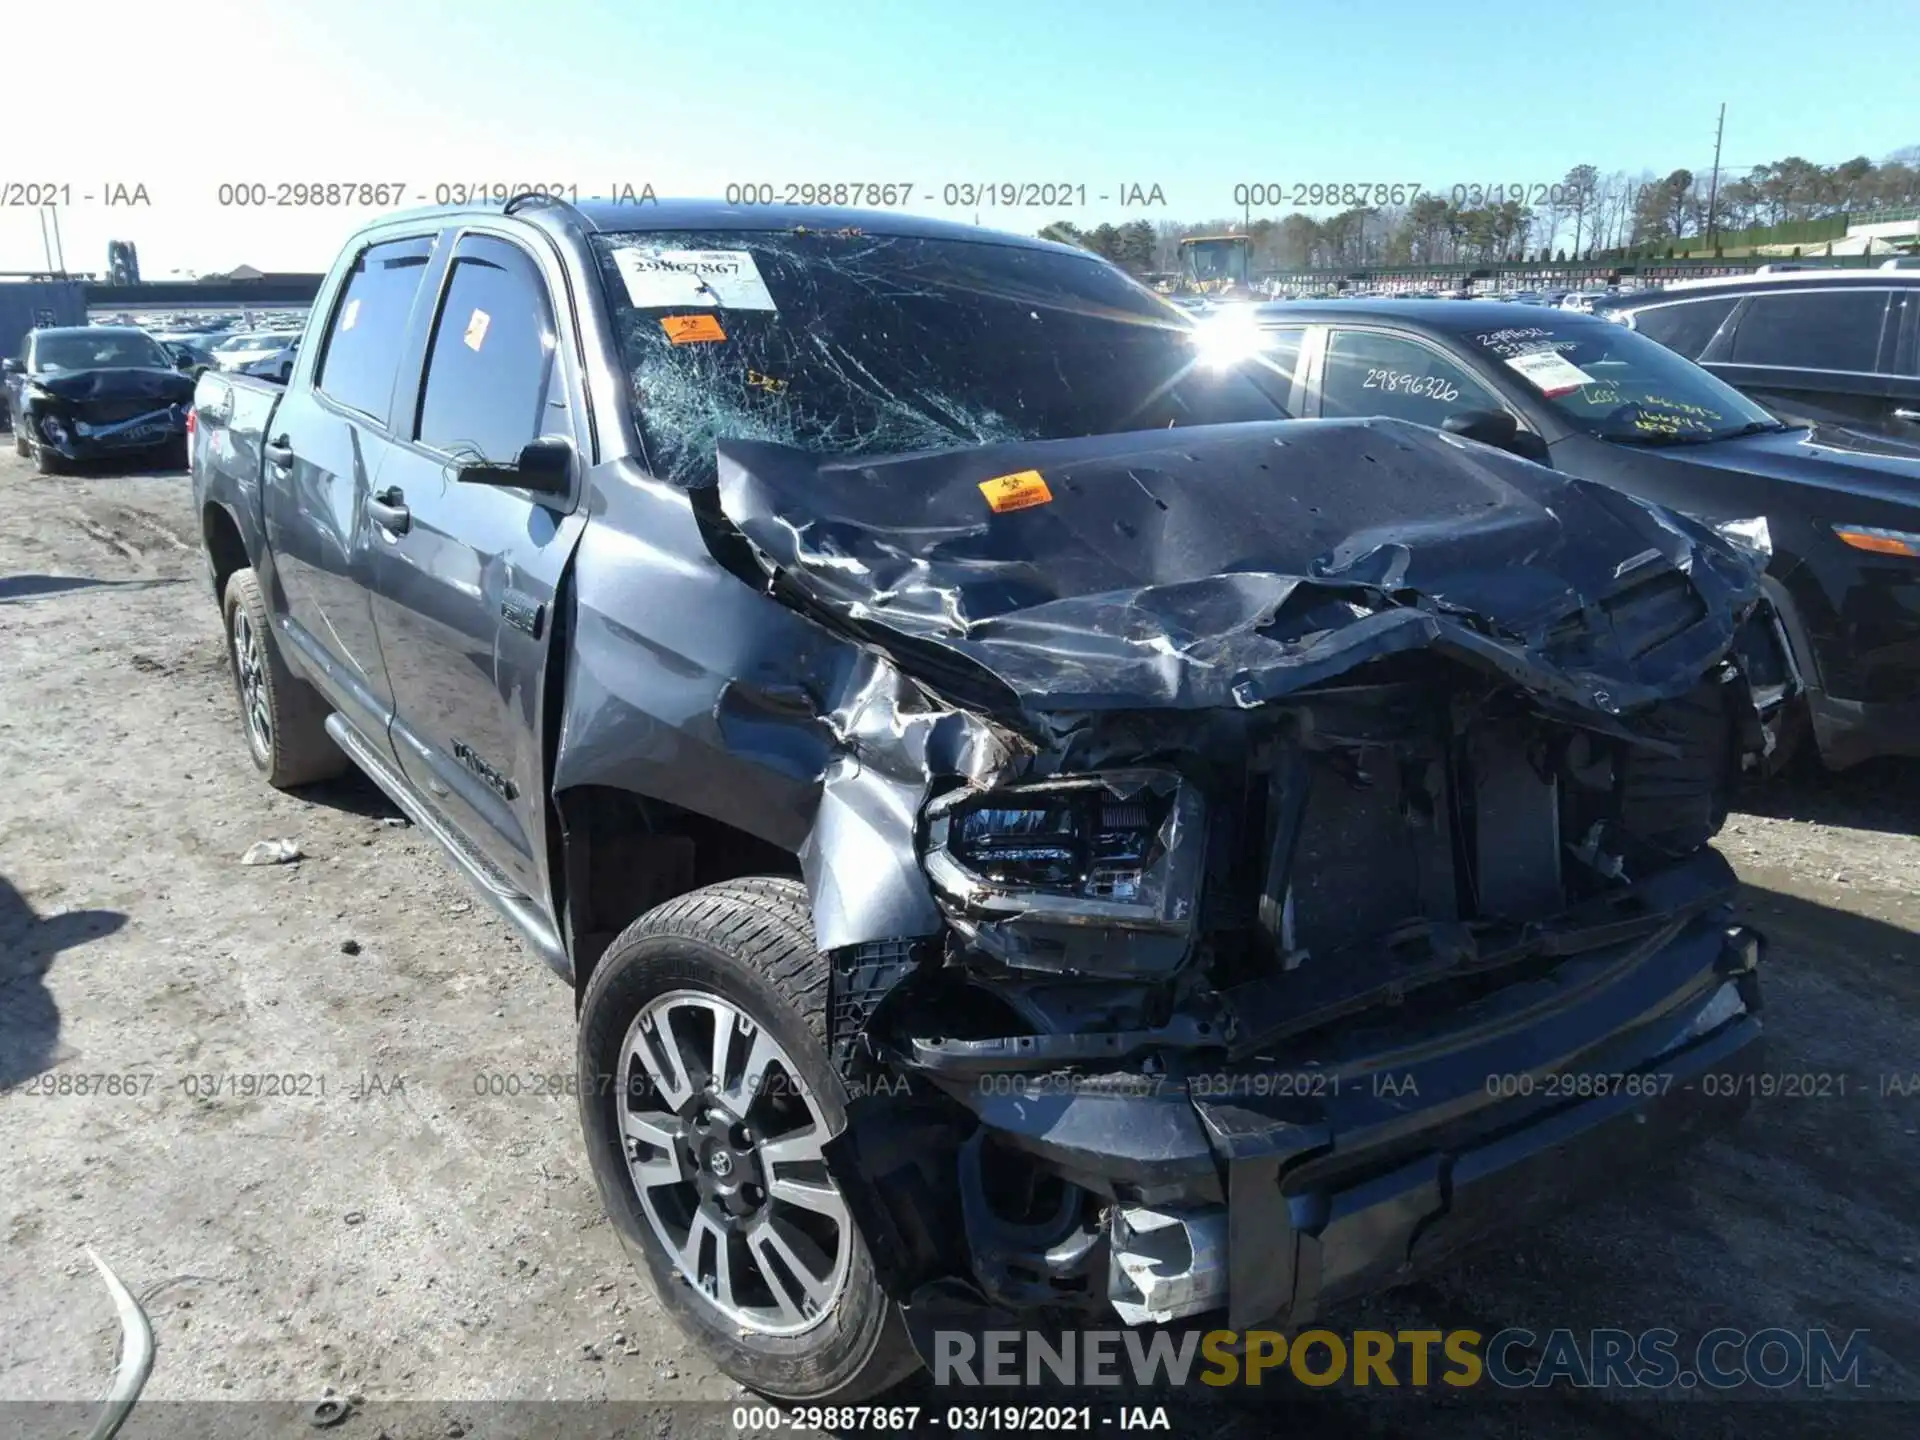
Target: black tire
{"x": 173, "y": 455}
{"x": 294, "y": 749}
{"x": 750, "y": 943}
{"x": 1674, "y": 804}
{"x": 20, "y": 446}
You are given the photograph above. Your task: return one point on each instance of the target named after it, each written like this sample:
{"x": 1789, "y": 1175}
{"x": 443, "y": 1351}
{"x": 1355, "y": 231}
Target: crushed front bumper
{"x": 1381, "y": 1149}
{"x": 84, "y": 437}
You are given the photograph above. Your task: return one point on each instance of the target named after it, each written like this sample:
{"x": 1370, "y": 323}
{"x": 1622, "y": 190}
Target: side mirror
{"x": 1489, "y": 427}
{"x": 545, "y": 467}
{"x": 184, "y": 361}
{"x": 12, "y": 367}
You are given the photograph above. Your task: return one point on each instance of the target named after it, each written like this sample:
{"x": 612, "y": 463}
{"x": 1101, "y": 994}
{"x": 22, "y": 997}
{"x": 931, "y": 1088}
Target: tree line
{"x": 1588, "y": 214}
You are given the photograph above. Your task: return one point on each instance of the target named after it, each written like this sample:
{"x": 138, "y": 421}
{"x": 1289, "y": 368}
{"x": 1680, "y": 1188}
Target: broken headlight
{"x": 1121, "y": 850}
{"x": 1752, "y": 536}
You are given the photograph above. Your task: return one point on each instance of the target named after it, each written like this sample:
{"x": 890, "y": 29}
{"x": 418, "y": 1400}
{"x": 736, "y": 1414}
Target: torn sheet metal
{"x": 691, "y": 688}
{"x": 1226, "y": 566}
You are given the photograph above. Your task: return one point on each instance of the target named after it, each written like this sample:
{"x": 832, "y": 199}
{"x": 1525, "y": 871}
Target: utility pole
{"x": 59, "y": 250}
{"x": 46, "y": 242}
{"x": 1713, "y": 188}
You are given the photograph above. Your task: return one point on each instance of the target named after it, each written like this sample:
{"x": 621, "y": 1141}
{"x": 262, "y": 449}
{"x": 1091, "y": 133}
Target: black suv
{"x": 1835, "y": 347}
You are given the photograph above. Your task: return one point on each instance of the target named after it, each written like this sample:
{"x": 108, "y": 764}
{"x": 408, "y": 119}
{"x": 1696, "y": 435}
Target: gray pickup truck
{"x": 1030, "y": 827}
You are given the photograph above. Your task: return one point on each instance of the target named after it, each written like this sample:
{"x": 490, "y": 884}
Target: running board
{"x": 519, "y": 910}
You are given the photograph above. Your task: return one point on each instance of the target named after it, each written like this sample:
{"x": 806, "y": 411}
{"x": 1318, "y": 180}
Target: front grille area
{"x": 112, "y": 412}
{"x": 1631, "y": 622}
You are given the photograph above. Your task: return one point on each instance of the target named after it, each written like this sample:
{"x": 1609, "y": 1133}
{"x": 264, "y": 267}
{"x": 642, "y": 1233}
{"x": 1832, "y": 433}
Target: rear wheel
{"x": 283, "y": 717}
{"x": 20, "y": 446}
{"x": 707, "y": 1096}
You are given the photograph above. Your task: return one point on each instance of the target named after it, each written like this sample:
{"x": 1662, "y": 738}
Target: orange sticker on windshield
{"x": 1015, "y": 492}
{"x": 692, "y": 329}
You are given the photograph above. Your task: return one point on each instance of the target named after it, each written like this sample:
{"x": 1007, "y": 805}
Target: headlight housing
{"x": 1879, "y": 542}
{"x": 1097, "y": 874}
{"x": 1752, "y": 536}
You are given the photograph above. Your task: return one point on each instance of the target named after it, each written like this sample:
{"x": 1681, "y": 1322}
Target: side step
{"x": 519, "y": 910}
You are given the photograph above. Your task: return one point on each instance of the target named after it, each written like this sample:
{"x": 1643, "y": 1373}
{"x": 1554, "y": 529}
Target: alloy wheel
{"x": 723, "y": 1140}
{"x": 250, "y": 665}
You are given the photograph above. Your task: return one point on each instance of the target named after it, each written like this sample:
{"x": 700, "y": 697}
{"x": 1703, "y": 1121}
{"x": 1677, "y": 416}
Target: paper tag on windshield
{"x": 1550, "y": 372}
{"x": 1016, "y": 492}
{"x": 477, "y": 329}
{"x": 350, "y": 314}
{"x": 680, "y": 279}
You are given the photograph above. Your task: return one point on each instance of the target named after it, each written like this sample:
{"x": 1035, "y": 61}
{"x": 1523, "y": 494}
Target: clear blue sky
{"x": 1193, "y": 96}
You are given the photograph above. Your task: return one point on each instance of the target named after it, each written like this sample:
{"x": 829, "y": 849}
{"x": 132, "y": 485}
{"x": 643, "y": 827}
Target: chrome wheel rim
{"x": 250, "y": 669}
{"x": 723, "y": 1141}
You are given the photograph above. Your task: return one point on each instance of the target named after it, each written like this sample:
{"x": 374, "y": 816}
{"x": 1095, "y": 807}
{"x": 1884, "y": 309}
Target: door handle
{"x": 278, "y": 452}
{"x": 1908, "y": 415}
{"x": 389, "y": 511}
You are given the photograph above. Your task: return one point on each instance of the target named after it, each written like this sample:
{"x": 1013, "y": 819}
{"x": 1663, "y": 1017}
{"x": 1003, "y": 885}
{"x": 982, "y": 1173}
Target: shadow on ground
{"x": 352, "y": 794}
{"x": 1881, "y": 794}
{"x": 28, "y": 587}
{"x": 29, "y": 944}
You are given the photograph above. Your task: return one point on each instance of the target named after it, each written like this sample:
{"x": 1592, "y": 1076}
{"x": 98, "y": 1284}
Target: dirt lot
{"x": 392, "y": 1230}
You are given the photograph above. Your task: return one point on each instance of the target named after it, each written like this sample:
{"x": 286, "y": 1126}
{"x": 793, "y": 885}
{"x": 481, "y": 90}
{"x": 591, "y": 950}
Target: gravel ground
{"x": 299, "y": 1168}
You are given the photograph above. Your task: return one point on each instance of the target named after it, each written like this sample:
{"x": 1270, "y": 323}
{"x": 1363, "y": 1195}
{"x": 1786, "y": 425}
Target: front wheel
{"x": 707, "y": 1097}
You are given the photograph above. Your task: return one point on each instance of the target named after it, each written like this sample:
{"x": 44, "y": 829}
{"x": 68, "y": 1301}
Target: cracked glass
{"x": 883, "y": 345}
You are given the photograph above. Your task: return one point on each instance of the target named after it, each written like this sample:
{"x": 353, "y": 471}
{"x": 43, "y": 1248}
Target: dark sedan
{"x": 92, "y": 392}
{"x": 1841, "y": 513}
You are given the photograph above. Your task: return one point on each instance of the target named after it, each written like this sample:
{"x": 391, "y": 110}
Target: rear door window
{"x": 493, "y": 382}
{"x": 1812, "y": 330}
{"x": 1685, "y": 328}
{"x": 369, "y": 325}
{"x": 1368, "y": 373}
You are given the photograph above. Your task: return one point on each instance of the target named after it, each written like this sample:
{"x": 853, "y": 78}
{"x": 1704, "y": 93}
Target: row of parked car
{"x": 267, "y": 353}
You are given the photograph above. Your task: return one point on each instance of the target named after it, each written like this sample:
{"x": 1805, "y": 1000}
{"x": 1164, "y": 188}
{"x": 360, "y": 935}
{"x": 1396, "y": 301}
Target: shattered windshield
{"x": 844, "y": 344}
{"x": 1620, "y": 386}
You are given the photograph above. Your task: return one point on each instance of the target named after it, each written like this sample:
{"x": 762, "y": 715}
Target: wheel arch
{"x": 621, "y": 853}
{"x": 226, "y": 547}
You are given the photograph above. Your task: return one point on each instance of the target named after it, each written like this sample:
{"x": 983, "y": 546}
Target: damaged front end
{"x": 1329, "y": 881}
{"x": 89, "y": 414}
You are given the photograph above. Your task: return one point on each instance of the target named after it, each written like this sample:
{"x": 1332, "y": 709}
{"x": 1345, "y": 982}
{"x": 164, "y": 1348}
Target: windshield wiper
{"x": 1759, "y": 427}
{"x": 1653, "y": 438}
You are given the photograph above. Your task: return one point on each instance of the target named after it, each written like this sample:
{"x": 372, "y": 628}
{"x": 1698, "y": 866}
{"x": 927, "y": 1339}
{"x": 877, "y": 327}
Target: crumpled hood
{"x": 164, "y": 387}
{"x": 1231, "y": 565}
